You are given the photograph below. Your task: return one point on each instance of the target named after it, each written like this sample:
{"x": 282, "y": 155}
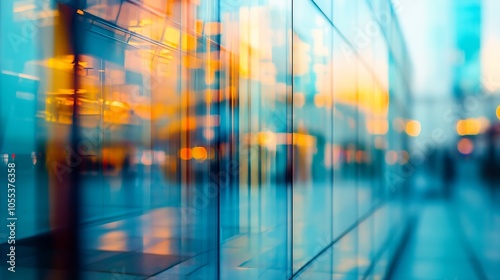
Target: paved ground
{"x": 435, "y": 249}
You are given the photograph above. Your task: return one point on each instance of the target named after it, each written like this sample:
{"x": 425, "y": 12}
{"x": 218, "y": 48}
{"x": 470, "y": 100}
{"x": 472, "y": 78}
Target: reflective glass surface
{"x": 194, "y": 139}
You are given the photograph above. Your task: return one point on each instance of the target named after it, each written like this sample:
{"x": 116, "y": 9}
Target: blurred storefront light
{"x": 465, "y": 146}
{"x": 413, "y": 128}
{"x": 199, "y": 153}
{"x": 185, "y": 154}
{"x": 377, "y": 127}
{"x": 472, "y": 126}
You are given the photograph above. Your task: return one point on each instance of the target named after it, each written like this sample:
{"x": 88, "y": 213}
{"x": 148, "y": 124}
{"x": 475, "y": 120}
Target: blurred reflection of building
{"x": 467, "y": 70}
{"x": 266, "y": 128}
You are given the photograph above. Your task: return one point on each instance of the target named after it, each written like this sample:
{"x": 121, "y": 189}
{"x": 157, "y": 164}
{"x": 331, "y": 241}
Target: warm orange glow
{"x": 366, "y": 99}
{"x": 361, "y": 156}
{"x": 270, "y": 139}
{"x": 377, "y": 127}
{"x": 188, "y": 123}
{"x": 244, "y": 61}
{"x": 189, "y": 42}
{"x": 212, "y": 28}
{"x": 301, "y": 139}
{"x": 323, "y": 100}
{"x": 185, "y": 154}
{"x": 413, "y": 128}
{"x": 266, "y": 138}
{"x": 24, "y": 8}
{"x": 80, "y": 12}
{"x": 199, "y": 27}
{"x": 498, "y": 112}
{"x": 113, "y": 241}
{"x": 319, "y": 100}
{"x": 200, "y": 153}
{"x": 172, "y": 36}
{"x": 465, "y": 146}
{"x": 192, "y": 62}
{"x": 472, "y": 126}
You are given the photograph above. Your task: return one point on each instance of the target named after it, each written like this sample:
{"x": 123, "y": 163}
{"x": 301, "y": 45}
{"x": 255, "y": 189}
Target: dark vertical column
{"x": 73, "y": 230}
{"x": 62, "y": 250}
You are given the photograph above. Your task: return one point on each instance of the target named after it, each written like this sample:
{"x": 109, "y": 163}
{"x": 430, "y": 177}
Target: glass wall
{"x": 312, "y": 132}
{"x": 196, "y": 139}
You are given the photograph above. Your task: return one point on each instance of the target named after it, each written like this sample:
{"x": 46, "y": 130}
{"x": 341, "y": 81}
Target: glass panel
{"x": 201, "y": 139}
{"x": 325, "y": 6}
{"x": 105, "y": 9}
{"x": 367, "y": 121}
{"x": 140, "y": 20}
{"x": 345, "y": 18}
{"x": 20, "y": 82}
{"x": 313, "y": 132}
{"x": 157, "y": 154}
{"x": 345, "y": 123}
{"x": 255, "y": 89}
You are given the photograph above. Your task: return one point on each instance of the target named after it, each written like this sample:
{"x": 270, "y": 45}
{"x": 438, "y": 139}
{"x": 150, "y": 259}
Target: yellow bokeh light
{"x": 200, "y": 153}
{"x": 413, "y": 128}
{"x": 472, "y": 126}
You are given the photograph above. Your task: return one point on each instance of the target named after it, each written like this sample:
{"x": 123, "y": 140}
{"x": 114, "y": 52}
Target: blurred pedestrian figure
{"x": 449, "y": 174}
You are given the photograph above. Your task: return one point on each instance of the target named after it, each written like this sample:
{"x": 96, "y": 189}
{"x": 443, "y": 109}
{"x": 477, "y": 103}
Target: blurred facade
{"x": 194, "y": 139}
{"x": 467, "y": 69}
{"x": 456, "y": 181}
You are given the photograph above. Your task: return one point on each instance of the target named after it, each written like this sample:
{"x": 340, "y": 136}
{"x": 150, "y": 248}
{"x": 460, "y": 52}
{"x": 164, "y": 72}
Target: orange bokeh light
{"x": 200, "y": 153}
{"x": 465, "y": 146}
{"x": 413, "y": 128}
{"x": 185, "y": 154}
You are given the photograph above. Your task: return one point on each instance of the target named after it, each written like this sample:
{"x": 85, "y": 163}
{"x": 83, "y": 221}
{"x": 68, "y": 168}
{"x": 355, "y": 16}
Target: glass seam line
{"x": 142, "y": 37}
{"x": 361, "y": 59}
{"x": 386, "y": 36}
{"x": 348, "y": 230}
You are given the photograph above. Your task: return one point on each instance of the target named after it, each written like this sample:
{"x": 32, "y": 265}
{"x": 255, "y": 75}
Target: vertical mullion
{"x": 218, "y": 206}
{"x": 289, "y": 134}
